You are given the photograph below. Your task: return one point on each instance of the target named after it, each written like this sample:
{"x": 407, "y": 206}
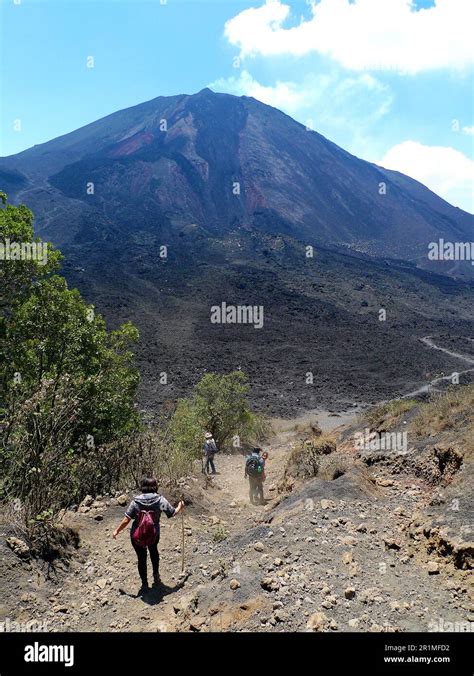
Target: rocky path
{"x": 334, "y": 555}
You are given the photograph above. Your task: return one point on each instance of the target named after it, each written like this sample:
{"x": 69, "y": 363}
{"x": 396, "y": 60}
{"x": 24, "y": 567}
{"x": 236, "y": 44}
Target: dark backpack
{"x": 145, "y": 533}
{"x": 211, "y": 448}
{"x": 254, "y": 466}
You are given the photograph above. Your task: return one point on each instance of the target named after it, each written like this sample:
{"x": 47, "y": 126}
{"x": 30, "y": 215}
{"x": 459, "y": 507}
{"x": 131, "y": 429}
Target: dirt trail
{"x": 430, "y": 343}
{"x": 336, "y": 549}
{"x": 432, "y": 386}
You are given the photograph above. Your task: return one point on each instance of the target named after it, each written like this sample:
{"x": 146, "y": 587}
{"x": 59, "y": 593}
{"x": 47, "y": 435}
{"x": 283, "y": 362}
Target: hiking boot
{"x": 143, "y": 589}
{"x": 156, "y": 580}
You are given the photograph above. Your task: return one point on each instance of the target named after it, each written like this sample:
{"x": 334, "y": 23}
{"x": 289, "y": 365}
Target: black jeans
{"x": 209, "y": 464}
{"x": 155, "y": 560}
{"x": 256, "y": 490}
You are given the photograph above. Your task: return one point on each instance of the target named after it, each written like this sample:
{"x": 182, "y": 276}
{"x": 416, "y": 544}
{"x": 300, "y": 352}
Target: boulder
{"x": 270, "y": 584}
{"x": 19, "y": 547}
{"x": 317, "y": 622}
{"x": 433, "y": 568}
{"x": 347, "y": 558}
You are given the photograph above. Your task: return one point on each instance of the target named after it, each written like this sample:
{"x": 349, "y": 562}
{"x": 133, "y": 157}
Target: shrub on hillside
{"x": 218, "y": 404}
{"x": 304, "y": 460}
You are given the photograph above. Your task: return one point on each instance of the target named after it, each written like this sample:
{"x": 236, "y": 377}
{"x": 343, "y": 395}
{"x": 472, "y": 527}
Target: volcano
{"x": 182, "y": 203}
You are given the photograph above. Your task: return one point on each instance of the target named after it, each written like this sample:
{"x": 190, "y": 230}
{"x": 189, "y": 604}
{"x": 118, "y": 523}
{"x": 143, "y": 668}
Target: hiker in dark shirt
{"x": 209, "y": 449}
{"x": 254, "y": 470}
{"x": 148, "y": 501}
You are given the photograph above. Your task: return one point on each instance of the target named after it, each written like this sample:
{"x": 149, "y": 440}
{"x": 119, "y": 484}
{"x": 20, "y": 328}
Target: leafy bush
{"x": 218, "y": 404}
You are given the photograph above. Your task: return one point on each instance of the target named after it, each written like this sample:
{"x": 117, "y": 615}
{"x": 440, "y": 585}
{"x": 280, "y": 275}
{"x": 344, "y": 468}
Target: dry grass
{"x": 324, "y": 444}
{"x": 391, "y": 410}
{"x": 304, "y": 459}
{"x": 453, "y": 409}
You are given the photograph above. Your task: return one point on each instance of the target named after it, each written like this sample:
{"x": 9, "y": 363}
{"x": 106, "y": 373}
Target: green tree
{"x": 18, "y": 276}
{"x": 222, "y": 405}
{"x": 68, "y": 385}
{"x": 219, "y": 404}
{"x": 54, "y": 333}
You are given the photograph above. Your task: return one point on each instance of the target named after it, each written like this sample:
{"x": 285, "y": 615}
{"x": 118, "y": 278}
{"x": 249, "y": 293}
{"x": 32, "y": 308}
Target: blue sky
{"x": 388, "y": 82}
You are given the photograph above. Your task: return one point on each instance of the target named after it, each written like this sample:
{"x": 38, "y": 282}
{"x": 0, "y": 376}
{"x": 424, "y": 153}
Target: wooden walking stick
{"x": 182, "y": 538}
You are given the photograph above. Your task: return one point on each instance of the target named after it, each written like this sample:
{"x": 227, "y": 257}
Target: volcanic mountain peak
{"x": 223, "y": 162}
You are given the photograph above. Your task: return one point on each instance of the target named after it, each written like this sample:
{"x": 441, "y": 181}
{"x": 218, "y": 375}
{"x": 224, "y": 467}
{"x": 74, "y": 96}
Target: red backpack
{"x": 145, "y": 533}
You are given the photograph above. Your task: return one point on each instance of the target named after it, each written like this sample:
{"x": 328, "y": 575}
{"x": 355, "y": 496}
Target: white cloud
{"x": 362, "y": 34}
{"x": 446, "y": 171}
{"x": 291, "y": 97}
{"x": 318, "y": 100}
{"x": 468, "y": 130}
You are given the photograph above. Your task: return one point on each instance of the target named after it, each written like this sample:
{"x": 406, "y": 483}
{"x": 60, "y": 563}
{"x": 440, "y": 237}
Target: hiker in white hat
{"x": 209, "y": 449}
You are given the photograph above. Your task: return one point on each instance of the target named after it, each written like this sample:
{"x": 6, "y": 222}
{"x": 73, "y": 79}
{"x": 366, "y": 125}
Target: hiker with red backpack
{"x": 145, "y": 512}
